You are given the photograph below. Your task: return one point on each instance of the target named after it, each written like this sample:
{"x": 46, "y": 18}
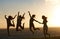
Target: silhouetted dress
{"x": 45, "y": 27}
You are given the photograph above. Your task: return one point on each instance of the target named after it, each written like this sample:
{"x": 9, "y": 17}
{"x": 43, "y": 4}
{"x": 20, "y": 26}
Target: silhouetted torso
{"x": 19, "y": 20}
{"x": 45, "y": 24}
{"x": 8, "y": 22}
{"x": 45, "y": 27}
{"x": 31, "y": 22}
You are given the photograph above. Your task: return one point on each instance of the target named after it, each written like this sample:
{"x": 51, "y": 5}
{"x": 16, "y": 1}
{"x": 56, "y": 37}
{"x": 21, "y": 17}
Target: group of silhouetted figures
{"x": 31, "y": 24}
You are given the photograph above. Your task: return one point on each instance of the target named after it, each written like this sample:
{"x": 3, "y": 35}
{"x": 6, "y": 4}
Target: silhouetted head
{"x": 19, "y": 16}
{"x": 28, "y": 11}
{"x": 33, "y": 16}
{"x": 18, "y": 12}
{"x": 10, "y": 17}
{"x": 43, "y": 17}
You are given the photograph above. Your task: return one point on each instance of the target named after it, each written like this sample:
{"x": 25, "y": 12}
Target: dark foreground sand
{"x": 27, "y": 34}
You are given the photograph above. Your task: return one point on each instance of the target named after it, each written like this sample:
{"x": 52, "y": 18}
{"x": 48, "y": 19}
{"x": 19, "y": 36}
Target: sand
{"x": 27, "y": 34}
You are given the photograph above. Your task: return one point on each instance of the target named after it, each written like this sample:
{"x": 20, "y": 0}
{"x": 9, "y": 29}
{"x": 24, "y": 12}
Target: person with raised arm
{"x": 45, "y": 27}
{"x": 31, "y": 24}
{"x": 19, "y": 22}
{"x": 9, "y": 24}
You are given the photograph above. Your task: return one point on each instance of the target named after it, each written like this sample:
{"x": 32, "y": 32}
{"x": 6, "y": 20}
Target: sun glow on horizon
{"x": 54, "y": 21}
{"x": 56, "y": 16}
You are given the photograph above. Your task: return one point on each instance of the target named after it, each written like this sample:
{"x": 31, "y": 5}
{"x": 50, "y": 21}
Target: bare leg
{"x": 48, "y": 34}
{"x": 21, "y": 26}
{"x": 17, "y": 26}
{"x": 44, "y": 31}
{"x": 31, "y": 30}
{"x": 44, "y": 36}
{"x": 13, "y": 24}
{"x": 35, "y": 28}
{"x": 8, "y": 30}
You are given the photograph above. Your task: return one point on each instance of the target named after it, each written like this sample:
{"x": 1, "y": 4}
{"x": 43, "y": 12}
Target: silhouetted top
{"x": 9, "y": 20}
{"x": 44, "y": 21}
{"x": 20, "y": 18}
{"x": 32, "y": 19}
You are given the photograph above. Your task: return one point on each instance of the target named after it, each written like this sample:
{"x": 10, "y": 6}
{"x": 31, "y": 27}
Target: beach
{"x": 27, "y": 34}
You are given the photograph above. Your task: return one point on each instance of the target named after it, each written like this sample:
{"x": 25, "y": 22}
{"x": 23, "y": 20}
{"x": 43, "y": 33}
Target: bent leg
{"x": 37, "y": 29}
{"x": 34, "y": 28}
{"x": 8, "y": 30}
{"x": 31, "y": 30}
{"x": 13, "y": 25}
{"x": 17, "y": 27}
{"x": 47, "y": 33}
{"x": 44, "y": 32}
{"x": 22, "y": 27}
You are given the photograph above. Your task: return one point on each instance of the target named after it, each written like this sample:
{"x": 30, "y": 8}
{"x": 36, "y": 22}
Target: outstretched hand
{"x": 5, "y": 15}
{"x": 28, "y": 11}
{"x": 14, "y": 16}
{"x": 18, "y": 12}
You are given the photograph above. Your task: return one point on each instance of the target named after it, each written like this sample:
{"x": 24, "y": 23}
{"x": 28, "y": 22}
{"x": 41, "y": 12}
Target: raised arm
{"x": 18, "y": 13}
{"x": 29, "y": 13}
{"x": 23, "y": 15}
{"x": 5, "y": 17}
{"x": 14, "y": 16}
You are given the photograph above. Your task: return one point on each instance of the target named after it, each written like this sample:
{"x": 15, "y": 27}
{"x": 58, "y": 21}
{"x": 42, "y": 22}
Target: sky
{"x": 49, "y": 8}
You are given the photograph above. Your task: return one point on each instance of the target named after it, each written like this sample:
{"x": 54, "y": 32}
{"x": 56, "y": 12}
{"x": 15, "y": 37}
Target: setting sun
{"x": 56, "y": 16}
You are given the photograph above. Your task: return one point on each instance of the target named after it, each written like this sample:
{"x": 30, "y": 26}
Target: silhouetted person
{"x": 19, "y": 22}
{"x": 9, "y": 24}
{"x": 31, "y": 24}
{"x": 45, "y": 27}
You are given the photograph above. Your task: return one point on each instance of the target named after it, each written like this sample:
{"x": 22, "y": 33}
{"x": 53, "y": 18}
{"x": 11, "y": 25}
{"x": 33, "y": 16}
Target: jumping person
{"x": 31, "y": 24}
{"x": 9, "y": 24}
{"x": 45, "y": 27}
{"x": 19, "y": 22}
